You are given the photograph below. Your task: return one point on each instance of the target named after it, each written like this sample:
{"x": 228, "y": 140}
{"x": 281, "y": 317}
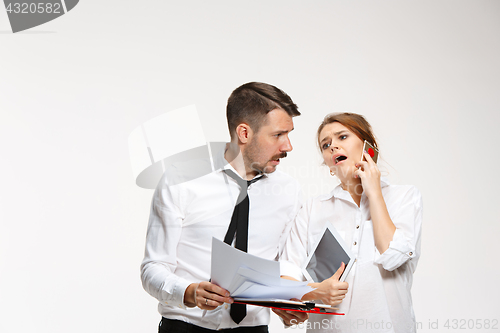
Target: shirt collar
{"x": 339, "y": 193}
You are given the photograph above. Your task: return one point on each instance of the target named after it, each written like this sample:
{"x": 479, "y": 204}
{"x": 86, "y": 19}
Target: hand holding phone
{"x": 368, "y": 172}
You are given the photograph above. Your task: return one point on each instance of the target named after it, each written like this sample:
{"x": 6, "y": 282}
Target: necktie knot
{"x": 244, "y": 184}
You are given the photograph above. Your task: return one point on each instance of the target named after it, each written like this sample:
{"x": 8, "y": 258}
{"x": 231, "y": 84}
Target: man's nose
{"x": 287, "y": 146}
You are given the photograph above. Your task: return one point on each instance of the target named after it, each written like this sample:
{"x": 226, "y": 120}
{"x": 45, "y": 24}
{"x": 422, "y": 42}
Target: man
{"x": 184, "y": 217}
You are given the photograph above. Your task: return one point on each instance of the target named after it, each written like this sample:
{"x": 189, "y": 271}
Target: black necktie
{"x": 239, "y": 225}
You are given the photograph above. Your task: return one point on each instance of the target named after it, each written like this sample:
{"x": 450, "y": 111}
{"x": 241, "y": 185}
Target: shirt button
{"x": 357, "y": 227}
{"x": 411, "y": 253}
{"x": 355, "y": 243}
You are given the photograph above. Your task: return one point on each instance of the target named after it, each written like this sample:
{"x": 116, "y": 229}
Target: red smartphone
{"x": 372, "y": 151}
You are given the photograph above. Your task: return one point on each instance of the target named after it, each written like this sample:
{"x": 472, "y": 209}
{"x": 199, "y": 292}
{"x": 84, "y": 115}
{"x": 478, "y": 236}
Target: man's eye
{"x": 326, "y": 145}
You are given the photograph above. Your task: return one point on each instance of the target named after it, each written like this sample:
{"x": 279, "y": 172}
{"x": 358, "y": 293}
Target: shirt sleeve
{"x": 160, "y": 258}
{"x": 405, "y": 244}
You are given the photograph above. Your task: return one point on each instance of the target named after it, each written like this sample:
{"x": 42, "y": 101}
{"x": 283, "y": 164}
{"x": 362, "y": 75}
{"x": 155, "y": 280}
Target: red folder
{"x": 279, "y": 304}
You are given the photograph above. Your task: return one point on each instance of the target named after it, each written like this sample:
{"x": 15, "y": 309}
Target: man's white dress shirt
{"x": 378, "y": 298}
{"x": 185, "y": 217}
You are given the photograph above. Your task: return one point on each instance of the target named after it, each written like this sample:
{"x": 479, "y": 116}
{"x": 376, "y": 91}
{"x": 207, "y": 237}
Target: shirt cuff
{"x": 288, "y": 268}
{"x": 399, "y": 252}
{"x": 173, "y": 294}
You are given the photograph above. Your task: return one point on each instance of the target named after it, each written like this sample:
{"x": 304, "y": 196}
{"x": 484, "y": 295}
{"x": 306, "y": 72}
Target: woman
{"x": 380, "y": 222}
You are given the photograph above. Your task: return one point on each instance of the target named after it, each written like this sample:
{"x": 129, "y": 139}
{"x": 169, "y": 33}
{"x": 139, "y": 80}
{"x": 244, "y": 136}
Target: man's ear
{"x": 244, "y": 132}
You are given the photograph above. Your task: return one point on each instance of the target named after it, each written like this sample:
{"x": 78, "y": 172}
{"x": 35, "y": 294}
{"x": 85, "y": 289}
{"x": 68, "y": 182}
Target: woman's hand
{"x": 206, "y": 295}
{"x": 369, "y": 174}
{"x": 383, "y": 227}
{"x": 331, "y": 291}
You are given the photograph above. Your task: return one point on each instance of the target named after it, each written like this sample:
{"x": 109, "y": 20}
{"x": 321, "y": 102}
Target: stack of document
{"x": 250, "y": 277}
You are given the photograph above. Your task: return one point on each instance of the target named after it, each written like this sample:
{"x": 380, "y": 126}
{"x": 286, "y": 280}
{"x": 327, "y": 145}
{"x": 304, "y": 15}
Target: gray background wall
{"x": 425, "y": 73}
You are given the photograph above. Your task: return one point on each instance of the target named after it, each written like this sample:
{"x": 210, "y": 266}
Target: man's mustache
{"x": 282, "y": 155}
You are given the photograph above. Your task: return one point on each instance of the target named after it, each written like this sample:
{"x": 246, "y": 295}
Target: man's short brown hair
{"x": 251, "y": 102}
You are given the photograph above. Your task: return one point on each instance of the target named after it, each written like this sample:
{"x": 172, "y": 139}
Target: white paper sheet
{"x": 226, "y": 260}
{"x": 248, "y": 276}
{"x": 256, "y": 290}
{"x": 265, "y": 279}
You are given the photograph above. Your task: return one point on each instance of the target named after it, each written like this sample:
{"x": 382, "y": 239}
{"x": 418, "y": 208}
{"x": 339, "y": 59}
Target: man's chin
{"x": 270, "y": 168}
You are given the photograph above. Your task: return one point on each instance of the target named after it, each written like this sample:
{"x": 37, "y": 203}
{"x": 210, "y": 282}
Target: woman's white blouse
{"x": 379, "y": 298}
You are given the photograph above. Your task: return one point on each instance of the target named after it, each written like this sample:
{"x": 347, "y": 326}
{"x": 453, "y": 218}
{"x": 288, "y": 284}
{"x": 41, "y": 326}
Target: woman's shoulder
{"x": 403, "y": 193}
{"x": 401, "y": 188}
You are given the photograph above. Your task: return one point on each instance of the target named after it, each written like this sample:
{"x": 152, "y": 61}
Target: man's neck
{"x": 234, "y": 156}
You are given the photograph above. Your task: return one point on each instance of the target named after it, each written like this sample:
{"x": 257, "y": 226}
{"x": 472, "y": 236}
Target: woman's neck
{"x": 354, "y": 187}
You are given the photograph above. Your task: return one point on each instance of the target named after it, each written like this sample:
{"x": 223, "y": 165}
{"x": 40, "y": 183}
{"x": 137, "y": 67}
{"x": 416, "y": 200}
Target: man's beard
{"x": 250, "y": 157}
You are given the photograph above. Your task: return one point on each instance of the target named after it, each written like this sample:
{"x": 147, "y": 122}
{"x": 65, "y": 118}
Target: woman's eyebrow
{"x": 334, "y": 134}
{"x": 324, "y": 139}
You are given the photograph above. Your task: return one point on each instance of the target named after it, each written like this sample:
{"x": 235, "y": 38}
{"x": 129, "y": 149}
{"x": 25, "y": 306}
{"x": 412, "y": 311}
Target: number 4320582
{"x": 32, "y": 8}
{"x": 470, "y": 324}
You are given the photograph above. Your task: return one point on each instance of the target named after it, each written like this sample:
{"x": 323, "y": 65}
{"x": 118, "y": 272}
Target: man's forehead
{"x": 278, "y": 120}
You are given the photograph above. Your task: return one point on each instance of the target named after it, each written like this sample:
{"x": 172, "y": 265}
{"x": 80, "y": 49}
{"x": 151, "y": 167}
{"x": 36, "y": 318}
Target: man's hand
{"x": 291, "y": 317}
{"x": 330, "y": 291}
{"x": 206, "y": 296}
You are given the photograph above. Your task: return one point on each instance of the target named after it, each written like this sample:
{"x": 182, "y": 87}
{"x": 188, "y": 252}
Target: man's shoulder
{"x": 284, "y": 184}
{"x": 186, "y": 171}
{"x": 282, "y": 177}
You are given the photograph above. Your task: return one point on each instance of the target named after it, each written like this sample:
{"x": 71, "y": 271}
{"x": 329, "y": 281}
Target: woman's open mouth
{"x": 339, "y": 159}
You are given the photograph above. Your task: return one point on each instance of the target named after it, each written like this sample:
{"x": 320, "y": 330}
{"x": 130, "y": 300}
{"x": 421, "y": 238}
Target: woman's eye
{"x": 326, "y": 145}
{"x": 343, "y": 137}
